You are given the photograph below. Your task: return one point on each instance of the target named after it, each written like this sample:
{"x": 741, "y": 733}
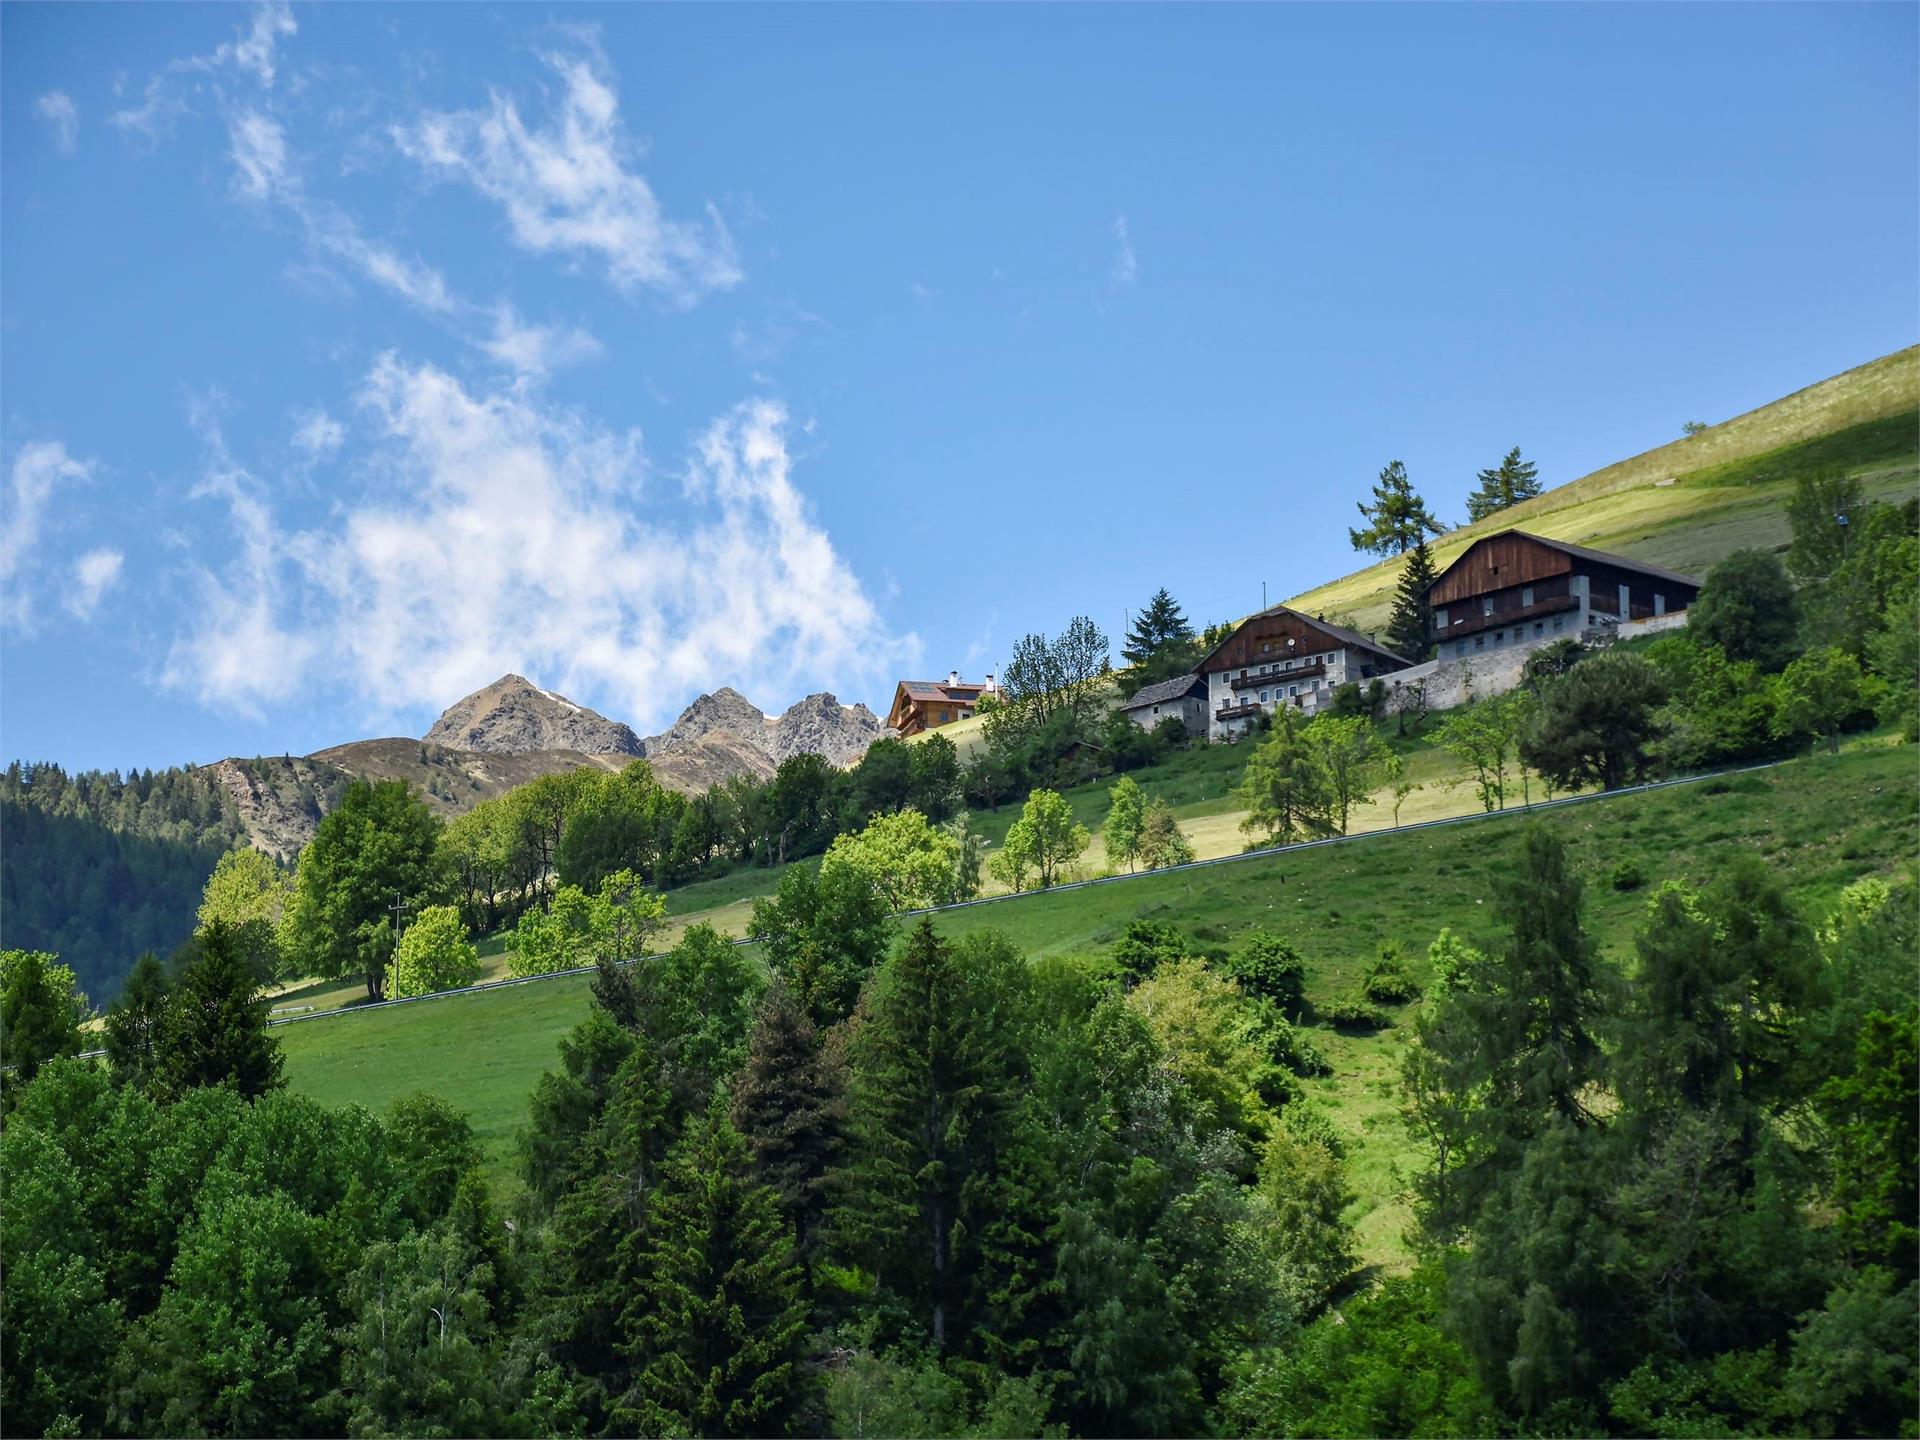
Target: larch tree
{"x": 1504, "y": 486}
{"x": 1285, "y": 787}
{"x": 1126, "y": 819}
{"x": 1396, "y": 518}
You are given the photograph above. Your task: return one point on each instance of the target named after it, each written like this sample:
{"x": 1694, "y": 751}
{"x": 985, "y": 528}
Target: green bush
{"x": 1387, "y": 979}
{"x": 1351, "y": 1012}
{"x": 1627, "y": 875}
{"x": 1268, "y": 967}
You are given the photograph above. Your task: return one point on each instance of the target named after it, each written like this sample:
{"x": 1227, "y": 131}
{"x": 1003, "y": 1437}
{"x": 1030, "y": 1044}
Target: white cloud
{"x": 318, "y": 434}
{"x": 56, "y": 107}
{"x": 39, "y": 469}
{"x": 252, "y": 50}
{"x": 94, "y": 573}
{"x": 495, "y": 533}
{"x": 1126, "y": 268}
{"x": 565, "y": 186}
{"x": 536, "y": 349}
{"x": 259, "y": 154}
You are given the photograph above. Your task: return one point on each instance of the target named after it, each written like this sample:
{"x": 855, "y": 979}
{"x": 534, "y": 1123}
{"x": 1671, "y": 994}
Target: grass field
{"x": 1687, "y": 504}
{"x": 1824, "y": 822}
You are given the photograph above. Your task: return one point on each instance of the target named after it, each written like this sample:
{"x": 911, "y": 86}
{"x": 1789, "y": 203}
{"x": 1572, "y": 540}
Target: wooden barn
{"x": 1281, "y": 657}
{"x": 1514, "y": 588}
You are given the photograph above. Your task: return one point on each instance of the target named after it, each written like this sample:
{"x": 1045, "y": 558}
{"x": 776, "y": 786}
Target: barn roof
{"x": 1341, "y": 633}
{"x": 1578, "y": 552}
{"x": 1177, "y": 688}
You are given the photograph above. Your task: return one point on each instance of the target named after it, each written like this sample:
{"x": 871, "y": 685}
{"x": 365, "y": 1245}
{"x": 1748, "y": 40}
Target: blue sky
{"x": 354, "y": 355}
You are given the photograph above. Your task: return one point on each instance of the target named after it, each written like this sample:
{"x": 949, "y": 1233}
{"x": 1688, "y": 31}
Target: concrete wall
{"x": 1494, "y": 672}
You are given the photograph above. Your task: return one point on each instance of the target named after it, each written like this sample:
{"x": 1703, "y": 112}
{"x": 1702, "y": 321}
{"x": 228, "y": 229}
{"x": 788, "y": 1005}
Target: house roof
{"x": 940, "y": 690}
{"x": 1578, "y": 552}
{"x": 1177, "y": 688}
{"x": 1341, "y": 633}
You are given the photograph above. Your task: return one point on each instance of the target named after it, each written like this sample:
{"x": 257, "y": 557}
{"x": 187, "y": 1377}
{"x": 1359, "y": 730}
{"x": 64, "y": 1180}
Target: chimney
{"x": 990, "y": 685}
{"x": 953, "y": 679}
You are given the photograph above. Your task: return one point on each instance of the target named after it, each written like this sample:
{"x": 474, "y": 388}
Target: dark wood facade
{"x": 1512, "y": 582}
{"x": 1278, "y": 635}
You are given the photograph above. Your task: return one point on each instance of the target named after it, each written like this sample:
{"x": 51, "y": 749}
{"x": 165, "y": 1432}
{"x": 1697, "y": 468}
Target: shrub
{"x": 1627, "y": 875}
{"x": 434, "y": 954}
{"x": 1352, "y": 1012}
{"x": 1147, "y": 943}
{"x": 1387, "y": 979}
{"x": 1270, "y": 968}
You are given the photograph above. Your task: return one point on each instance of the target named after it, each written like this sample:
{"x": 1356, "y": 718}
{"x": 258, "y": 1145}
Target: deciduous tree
{"x": 433, "y": 954}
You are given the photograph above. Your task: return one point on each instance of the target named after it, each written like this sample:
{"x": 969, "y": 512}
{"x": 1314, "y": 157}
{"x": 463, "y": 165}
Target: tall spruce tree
{"x": 1397, "y": 518}
{"x": 1155, "y": 629}
{"x": 943, "y": 1196}
{"x": 136, "y": 1025}
{"x": 717, "y": 1325}
{"x": 1504, "y": 486}
{"x": 1410, "y": 626}
{"x": 790, "y": 1106}
{"x": 216, "y": 1026}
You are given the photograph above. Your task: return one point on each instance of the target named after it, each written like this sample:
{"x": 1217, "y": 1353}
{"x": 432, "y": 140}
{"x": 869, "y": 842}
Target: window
{"x": 1486, "y": 605}
{"x": 1293, "y": 690}
{"x": 1499, "y": 637}
{"x": 1659, "y": 603}
{"x": 1263, "y": 697}
{"x": 1559, "y": 624}
{"x": 1479, "y": 642}
{"x": 1440, "y": 618}
{"x": 1539, "y": 627}
{"x": 1526, "y": 594}
{"x": 1625, "y": 601}
{"x": 1263, "y": 647}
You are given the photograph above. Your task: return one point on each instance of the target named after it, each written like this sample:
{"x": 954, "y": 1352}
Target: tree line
{"x": 892, "y": 1183}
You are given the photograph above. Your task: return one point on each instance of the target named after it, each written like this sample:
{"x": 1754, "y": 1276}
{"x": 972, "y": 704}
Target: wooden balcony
{"x": 1504, "y": 619}
{"x": 1280, "y": 677}
{"x": 1244, "y": 711}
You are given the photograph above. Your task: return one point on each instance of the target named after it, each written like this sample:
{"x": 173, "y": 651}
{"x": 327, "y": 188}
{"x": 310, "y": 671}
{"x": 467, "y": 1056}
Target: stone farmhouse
{"x": 1282, "y": 657}
{"x": 1183, "y": 697}
{"x": 1513, "y": 589}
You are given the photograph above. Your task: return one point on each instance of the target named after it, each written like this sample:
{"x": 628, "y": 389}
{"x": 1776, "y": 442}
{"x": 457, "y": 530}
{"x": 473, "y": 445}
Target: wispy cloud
{"x": 94, "y": 573}
{"x": 252, "y": 52}
{"x": 498, "y": 533}
{"x": 56, "y": 107}
{"x": 39, "y": 470}
{"x": 317, "y": 434}
{"x": 1126, "y": 267}
{"x": 565, "y": 186}
{"x": 536, "y": 349}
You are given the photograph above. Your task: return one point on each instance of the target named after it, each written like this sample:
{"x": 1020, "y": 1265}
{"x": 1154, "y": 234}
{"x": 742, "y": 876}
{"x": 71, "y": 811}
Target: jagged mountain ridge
{"x": 513, "y": 716}
{"x": 818, "y": 724}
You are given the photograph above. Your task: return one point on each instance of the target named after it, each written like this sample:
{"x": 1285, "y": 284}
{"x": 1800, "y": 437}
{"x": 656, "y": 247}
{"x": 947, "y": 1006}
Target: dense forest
{"x": 100, "y": 869}
{"x": 892, "y": 1185}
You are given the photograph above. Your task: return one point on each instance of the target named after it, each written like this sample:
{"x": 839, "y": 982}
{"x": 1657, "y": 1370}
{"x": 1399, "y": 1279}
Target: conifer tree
{"x": 216, "y": 1028}
{"x": 1410, "y": 626}
{"x": 943, "y": 1184}
{"x": 1504, "y": 486}
{"x": 789, "y": 1105}
{"x": 136, "y": 1025}
{"x": 1155, "y": 628}
{"x": 716, "y": 1326}
{"x": 1397, "y": 518}
{"x": 1513, "y": 1044}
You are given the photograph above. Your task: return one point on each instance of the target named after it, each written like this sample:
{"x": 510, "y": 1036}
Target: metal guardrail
{"x": 1264, "y": 853}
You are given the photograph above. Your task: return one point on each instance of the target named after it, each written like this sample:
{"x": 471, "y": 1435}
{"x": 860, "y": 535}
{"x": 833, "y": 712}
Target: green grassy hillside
{"x": 1687, "y": 504}
{"x": 1824, "y": 822}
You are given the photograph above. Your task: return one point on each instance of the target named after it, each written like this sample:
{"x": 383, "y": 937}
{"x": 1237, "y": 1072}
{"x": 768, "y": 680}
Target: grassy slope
{"x": 1729, "y": 485}
{"x": 1824, "y": 822}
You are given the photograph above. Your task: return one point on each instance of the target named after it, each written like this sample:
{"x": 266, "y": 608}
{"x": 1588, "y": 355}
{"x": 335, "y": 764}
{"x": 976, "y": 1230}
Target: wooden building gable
{"x": 1264, "y": 640}
{"x": 1509, "y": 558}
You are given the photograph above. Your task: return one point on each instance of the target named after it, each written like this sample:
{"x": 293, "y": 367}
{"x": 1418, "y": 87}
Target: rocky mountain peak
{"x": 820, "y": 724}
{"x": 513, "y": 715}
